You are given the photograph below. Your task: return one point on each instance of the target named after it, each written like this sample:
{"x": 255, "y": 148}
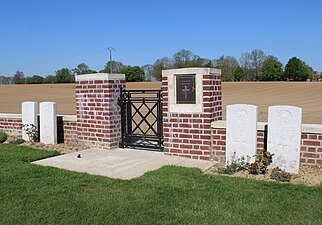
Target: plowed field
{"x": 263, "y": 94}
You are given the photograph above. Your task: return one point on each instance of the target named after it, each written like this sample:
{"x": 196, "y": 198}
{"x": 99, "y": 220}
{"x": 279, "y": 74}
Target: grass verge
{"x": 32, "y": 194}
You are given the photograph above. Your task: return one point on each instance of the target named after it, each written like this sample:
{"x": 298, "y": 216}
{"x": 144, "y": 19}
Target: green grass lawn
{"x": 31, "y": 194}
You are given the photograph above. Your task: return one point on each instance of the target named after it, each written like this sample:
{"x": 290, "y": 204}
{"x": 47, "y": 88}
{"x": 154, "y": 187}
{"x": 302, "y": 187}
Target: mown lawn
{"x": 31, "y": 194}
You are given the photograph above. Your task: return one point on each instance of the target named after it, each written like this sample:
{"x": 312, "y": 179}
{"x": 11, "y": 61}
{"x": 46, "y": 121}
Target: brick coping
{"x": 70, "y": 118}
{"x": 306, "y": 128}
{"x": 99, "y": 76}
{"x": 192, "y": 70}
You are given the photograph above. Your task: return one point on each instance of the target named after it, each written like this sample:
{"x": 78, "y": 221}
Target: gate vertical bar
{"x": 129, "y": 113}
{"x": 160, "y": 121}
{"x": 123, "y": 123}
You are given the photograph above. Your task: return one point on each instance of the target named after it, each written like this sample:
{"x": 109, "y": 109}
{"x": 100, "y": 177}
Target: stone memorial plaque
{"x": 186, "y": 90}
{"x": 284, "y": 136}
{"x": 241, "y": 133}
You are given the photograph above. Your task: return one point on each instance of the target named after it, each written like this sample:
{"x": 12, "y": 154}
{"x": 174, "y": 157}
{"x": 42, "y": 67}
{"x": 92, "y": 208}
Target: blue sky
{"x": 40, "y": 37}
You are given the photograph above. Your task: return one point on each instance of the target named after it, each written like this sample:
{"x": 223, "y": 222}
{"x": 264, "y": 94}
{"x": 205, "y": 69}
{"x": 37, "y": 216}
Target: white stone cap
{"x": 192, "y": 70}
{"x": 312, "y": 128}
{"x": 306, "y": 128}
{"x": 10, "y": 116}
{"x": 99, "y": 76}
{"x": 29, "y": 102}
{"x": 71, "y": 118}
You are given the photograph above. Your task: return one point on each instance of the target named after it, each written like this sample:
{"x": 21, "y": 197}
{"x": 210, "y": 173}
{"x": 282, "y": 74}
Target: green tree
{"x": 19, "y": 78}
{"x": 133, "y": 73}
{"x": 272, "y": 69}
{"x": 64, "y": 76}
{"x": 82, "y": 69}
{"x": 297, "y": 70}
{"x": 208, "y": 64}
{"x": 50, "y": 79}
{"x": 239, "y": 74}
{"x": 35, "y": 79}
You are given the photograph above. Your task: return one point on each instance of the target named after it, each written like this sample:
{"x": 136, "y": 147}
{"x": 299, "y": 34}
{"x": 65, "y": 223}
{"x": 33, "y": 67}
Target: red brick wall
{"x": 70, "y": 132}
{"x": 11, "y": 126}
{"x": 219, "y": 145}
{"x": 311, "y": 147}
{"x": 98, "y": 113}
{"x": 188, "y": 135}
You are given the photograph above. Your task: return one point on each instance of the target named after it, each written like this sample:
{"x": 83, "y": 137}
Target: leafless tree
{"x": 228, "y": 65}
{"x": 252, "y": 63}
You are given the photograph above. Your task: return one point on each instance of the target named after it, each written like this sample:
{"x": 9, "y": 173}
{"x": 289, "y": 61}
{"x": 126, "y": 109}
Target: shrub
{"x": 32, "y": 132}
{"x": 3, "y": 136}
{"x": 17, "y": 141}
{"x": 262, "y": 160}
{"x": 281, "y": 175}
{"x": 237, "y": 164}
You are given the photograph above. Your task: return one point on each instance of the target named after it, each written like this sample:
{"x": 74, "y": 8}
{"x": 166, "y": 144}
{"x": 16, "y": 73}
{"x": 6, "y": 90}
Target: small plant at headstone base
{"x": 32, "y": 132}
{"x": 236, "y": 164}
{"x": 280, "y": 175}
{"x": 18, "y": 141}
{"x": 262, "y": 160}
{"x": 3, "y": 136}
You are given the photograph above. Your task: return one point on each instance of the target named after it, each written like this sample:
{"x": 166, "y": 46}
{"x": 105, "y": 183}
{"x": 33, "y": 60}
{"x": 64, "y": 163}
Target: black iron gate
{"x": 141, "y": 119}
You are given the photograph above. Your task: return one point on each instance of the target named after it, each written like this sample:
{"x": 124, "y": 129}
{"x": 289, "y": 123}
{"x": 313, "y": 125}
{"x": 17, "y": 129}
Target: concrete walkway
{"x": 121, "y": 163}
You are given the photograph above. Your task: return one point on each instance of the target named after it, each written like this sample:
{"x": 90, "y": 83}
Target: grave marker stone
{"x": 284, "y": 136}
{"x": 241, "y": 131}
{"x": 29, "y": 116}
{"x": 48, "y": 123}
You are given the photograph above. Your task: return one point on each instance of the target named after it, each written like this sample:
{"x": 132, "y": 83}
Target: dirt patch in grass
{"x": 62, "y": 148}
{"x": 308, "y": 175}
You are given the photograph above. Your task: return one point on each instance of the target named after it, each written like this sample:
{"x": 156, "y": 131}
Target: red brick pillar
{"x": 187, "y": 127}
{"x": 97, "y": 109}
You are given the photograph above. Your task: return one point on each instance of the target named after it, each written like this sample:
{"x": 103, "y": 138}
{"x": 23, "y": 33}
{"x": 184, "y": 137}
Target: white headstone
{"x": 284, "y": 136}
{"x": 29, "y": 116}
{"x": 48, "y": 123}
{"x": 241, "y": 131}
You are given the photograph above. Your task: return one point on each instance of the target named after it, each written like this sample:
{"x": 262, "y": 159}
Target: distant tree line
{"x": 252, "y": 66}
{"x": 65, "y": 75}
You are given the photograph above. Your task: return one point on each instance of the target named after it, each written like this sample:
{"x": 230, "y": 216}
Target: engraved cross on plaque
{"x": 185, "y": 90}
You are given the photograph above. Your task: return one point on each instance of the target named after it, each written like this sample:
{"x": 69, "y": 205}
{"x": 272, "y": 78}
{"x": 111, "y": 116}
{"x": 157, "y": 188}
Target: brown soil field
{"x": 307, "y": 95}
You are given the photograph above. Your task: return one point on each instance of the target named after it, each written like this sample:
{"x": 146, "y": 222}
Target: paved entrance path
{"x": 121, "y": 163}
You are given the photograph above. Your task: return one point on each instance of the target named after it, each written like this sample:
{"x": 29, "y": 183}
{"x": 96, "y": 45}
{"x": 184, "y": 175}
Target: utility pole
{"x": 110, "y": 49}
